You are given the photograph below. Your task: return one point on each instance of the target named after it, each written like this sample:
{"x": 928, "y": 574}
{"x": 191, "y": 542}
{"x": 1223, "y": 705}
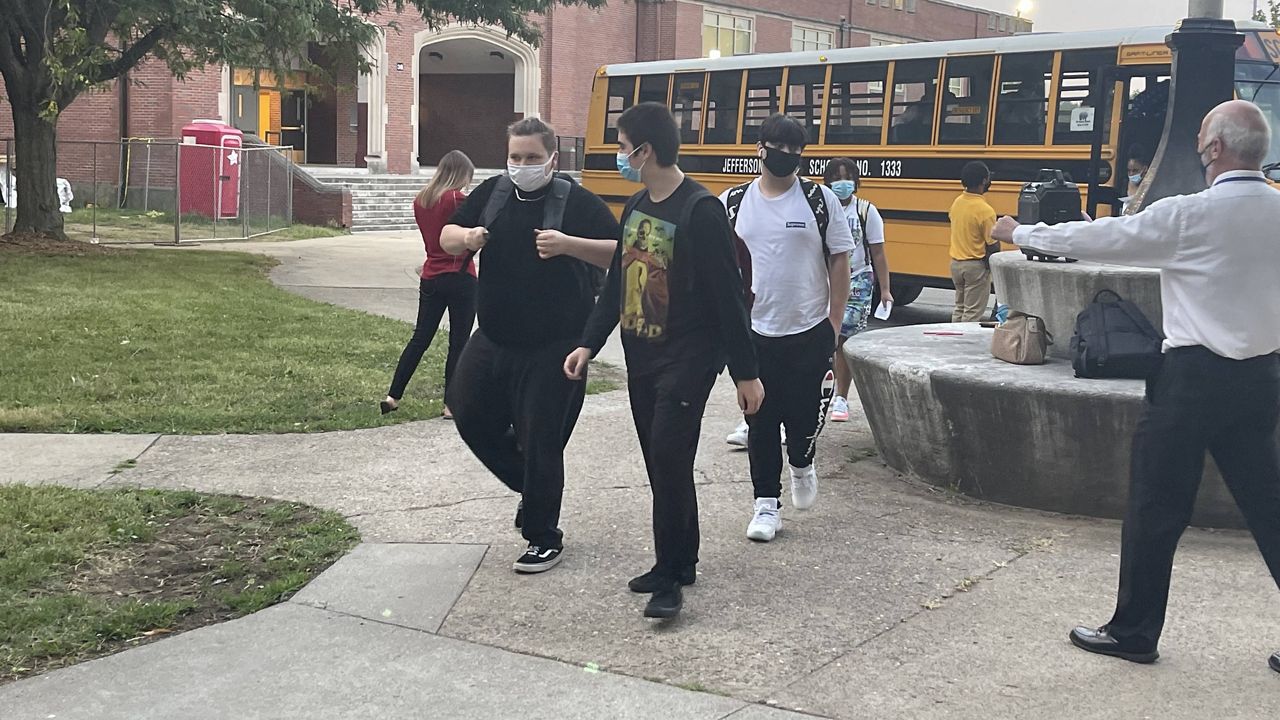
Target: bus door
{"x": 1144, "y": 104}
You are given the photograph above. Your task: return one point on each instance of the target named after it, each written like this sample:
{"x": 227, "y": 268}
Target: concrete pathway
{"x": 888, "y": 600}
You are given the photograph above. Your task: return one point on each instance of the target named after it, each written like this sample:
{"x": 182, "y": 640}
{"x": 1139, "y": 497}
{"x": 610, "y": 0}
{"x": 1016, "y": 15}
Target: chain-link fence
{"x": 163, "y": 191}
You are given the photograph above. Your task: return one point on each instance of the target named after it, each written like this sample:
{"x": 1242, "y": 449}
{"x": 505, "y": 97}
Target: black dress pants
{"x": 455, "y": 292}
{"x": 497, "y": 389}
{"x": 1199, "y": 401}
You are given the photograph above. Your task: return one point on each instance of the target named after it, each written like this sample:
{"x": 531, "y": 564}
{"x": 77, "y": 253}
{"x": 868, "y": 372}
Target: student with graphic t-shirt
{"x": 510, "y": 399}
{"x": 691, "y": 321}
{"x": 799, "y": 243}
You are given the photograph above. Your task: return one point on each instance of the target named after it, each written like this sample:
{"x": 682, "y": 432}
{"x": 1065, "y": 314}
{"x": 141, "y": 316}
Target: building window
{"x": 726, "y": 34}
{"x": 882, "y": 40}
{"x": 991, "y": 22}
{"x": 803, "y": 38}
{"x": 911, "y": 6}
{"x": 898, "y": 4}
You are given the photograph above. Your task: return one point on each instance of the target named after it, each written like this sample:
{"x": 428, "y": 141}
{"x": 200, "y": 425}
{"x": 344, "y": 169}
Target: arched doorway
{"x": 472, "y": 83}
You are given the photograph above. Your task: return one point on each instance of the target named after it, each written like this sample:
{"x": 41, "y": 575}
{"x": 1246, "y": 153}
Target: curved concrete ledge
{"x": 942, "y": 409}
{"x": 1058, "y": 292}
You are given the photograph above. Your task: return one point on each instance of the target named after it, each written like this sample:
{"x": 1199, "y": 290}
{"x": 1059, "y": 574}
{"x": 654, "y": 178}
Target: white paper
{"x": 1082, "y": 119}
{"x": 882, "y": 312}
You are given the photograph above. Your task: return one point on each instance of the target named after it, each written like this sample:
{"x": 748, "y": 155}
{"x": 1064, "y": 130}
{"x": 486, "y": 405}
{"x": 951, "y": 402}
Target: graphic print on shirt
{"x": 648, "y": 246}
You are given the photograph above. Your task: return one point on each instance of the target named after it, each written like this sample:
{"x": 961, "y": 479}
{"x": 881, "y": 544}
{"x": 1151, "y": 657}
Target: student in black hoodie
{"x": 510, "y": 399}
{"x": 676, "y": 288}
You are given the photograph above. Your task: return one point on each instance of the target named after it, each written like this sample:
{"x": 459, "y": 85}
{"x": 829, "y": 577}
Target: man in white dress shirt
{"x": 1219, "y": 388}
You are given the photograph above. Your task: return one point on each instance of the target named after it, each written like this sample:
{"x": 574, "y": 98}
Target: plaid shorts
{"x": 858, "y": 309}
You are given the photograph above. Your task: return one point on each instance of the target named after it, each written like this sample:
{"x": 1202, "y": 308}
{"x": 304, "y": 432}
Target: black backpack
{"x": 1113, "y": 339}
{"x": 552, "y": 218}
{"x": 733, "y": 202}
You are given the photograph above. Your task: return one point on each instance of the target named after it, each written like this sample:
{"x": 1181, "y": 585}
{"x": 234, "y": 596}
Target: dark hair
{"x": 833, "y": 170}
{"x": 785, "y": 131}
{"x": 651, "y": 123}
{"x": 974, "y": 174}
{"x": 532, "y": 126}
{"x": 1139, "y": 153}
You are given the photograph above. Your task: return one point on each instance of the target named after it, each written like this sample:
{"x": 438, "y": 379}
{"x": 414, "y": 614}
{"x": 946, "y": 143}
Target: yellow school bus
{"x": 912, "y": 115}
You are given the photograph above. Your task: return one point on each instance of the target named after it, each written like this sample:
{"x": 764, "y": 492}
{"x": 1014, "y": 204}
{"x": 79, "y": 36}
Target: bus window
{"x": 965, "y": 101}
{"x": 1082, "y": 101}
{"x": 1023, "y": 102}
{"x": 723, "y": 94}
{"x": 764, "y": 88}
{"x": 686, "y": 106}
{"x": 621, "y": 91}
{"x": 1259, "y": 85}
{"x": 806, "y": 90}
{"x": 915, "y": 89}
{"x": 654, "y": 88}
{"x": 856, "y": 112}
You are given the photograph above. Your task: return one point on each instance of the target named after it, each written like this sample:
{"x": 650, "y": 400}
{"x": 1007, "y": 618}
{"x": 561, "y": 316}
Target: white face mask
{"x": 530, "y": 177}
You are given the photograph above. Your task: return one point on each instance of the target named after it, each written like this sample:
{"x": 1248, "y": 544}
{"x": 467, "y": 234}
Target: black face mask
{"x": 781, "y": 163}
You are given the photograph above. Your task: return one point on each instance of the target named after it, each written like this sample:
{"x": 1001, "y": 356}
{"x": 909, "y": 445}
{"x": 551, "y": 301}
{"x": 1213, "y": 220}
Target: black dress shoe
{"x": 1100, "y": 641}
{"x": 387, "y": 407}
{"x": 653, "y": 581}
{"x": 1274, "y": 662}
{"x": 665, "y": 603}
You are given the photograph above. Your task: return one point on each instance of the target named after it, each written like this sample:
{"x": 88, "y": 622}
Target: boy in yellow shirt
{"x": 972, "y": 219}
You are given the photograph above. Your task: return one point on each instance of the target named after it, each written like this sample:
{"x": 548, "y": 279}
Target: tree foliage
{"x": 1270, "y": 15}
{"x": 52, "y": 51}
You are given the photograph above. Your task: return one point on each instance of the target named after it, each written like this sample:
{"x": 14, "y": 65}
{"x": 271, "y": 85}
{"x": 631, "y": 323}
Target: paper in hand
{"x": 882, "y": 312}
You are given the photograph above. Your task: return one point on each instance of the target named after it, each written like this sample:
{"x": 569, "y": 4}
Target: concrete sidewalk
{"x": 888, "y": 600}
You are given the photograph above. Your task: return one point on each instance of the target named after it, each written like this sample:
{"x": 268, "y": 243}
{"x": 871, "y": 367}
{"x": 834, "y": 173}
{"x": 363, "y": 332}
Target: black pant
{"x": 1199, "y": 401}
{"x": 457, "y": 293}
{"x": 499, "y": 388}
{"x": 667, "y": 407}
{"x": 792, "y": 369}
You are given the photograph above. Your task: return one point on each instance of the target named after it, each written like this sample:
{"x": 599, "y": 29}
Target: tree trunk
{"x": 36, "y": 151}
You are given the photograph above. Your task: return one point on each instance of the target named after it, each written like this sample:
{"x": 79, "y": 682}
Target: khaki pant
{"x": 972, "y": 279}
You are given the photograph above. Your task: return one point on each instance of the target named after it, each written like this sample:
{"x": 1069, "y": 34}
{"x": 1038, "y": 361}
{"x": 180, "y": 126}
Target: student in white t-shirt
{"x": 800, "y": 282}
{"x": 867, "y": 268}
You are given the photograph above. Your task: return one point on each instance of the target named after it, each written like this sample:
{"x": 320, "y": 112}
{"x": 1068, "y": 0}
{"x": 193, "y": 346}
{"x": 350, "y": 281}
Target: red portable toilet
{"x": 210, "y": 157}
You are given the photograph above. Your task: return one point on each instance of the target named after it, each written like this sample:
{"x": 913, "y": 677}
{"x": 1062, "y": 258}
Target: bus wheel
{"x": 904, "y": 294}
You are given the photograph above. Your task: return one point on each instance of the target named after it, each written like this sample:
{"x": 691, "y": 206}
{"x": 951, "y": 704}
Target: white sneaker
{"x": 738, "y": 438}
{"x": 804, "y": 487}
{"x": 839, "y": 410}
{"x": 767, "y": 521}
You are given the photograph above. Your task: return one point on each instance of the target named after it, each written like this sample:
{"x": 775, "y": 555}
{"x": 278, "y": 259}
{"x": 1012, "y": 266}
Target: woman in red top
{"x": 448, "y": 281}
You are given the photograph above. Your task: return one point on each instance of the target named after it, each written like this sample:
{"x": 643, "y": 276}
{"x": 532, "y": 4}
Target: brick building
{"x": 457, "y": 87}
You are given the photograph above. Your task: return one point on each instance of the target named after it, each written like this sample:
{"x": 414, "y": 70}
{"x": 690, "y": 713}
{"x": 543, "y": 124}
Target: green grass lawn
{"x": 87, "y": 573}
{"x": 127, "y": 226}
{"x": 191, "y": 342}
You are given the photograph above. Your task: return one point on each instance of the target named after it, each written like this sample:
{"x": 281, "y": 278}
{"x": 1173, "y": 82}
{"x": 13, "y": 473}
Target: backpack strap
{"x": 818, "y": 204}
{"x": 502, "y": 190}
{"x": 733, "y": 201}
{"x": 557, "y": 199}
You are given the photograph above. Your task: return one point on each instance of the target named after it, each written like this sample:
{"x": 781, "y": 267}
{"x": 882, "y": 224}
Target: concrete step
{"x": 391, "y": 227}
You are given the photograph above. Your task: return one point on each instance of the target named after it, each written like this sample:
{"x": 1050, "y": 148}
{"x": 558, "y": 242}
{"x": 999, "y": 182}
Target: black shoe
{"x": 538, "y": 559}
{"x": 665, "y": 603}
{"x": 519, "y": 514}
{"x": 652, "y": 581}
{"x": 1274, "y": 662}
{"x": 1100, "y": 641}
{"x": 387, "y": 407}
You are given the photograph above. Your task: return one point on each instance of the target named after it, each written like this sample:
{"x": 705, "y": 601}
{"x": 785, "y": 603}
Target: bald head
{"x": 1233, "y": 136}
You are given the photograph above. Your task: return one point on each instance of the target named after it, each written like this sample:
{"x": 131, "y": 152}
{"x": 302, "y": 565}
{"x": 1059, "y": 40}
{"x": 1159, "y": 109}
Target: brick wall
{"x": 480, "y": 131}
{"x": 579, "y": 41}
{"x": 315, "y": 203}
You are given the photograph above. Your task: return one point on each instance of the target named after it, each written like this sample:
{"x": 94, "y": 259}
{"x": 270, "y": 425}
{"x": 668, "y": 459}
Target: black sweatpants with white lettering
{"x": 667, "y": 407}
{"x": 496, "y": 389}
{"x": 1199, "y": 401}
{"x": 792, "y": 370}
